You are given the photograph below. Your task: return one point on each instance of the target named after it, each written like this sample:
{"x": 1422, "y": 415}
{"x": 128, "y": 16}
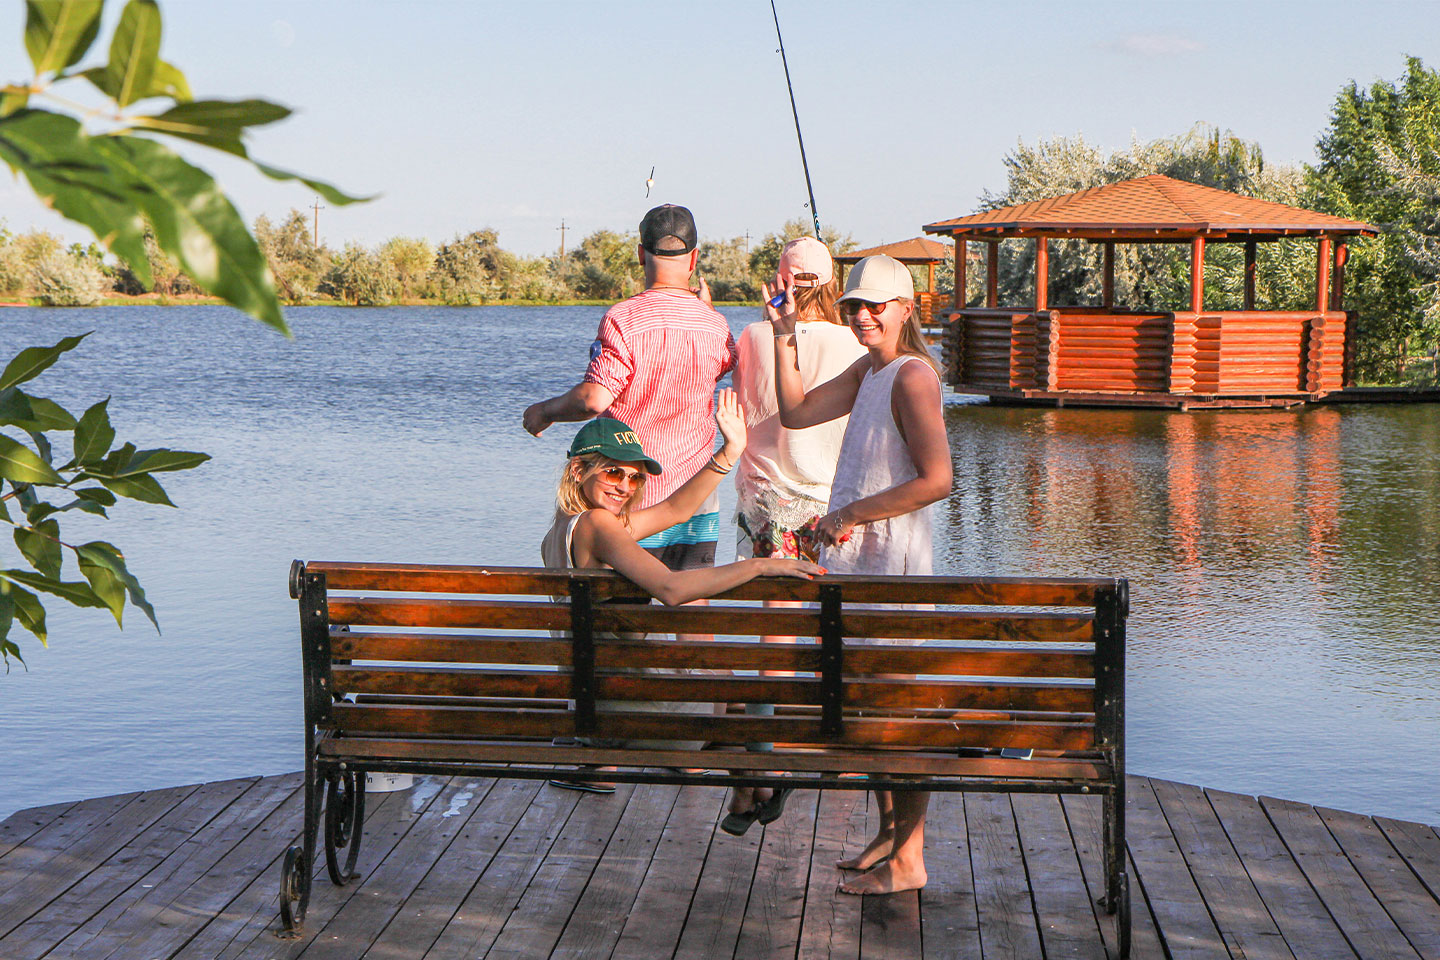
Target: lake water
{"x": 1283, "y": 565}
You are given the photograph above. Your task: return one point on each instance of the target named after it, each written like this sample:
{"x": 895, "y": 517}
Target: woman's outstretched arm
{"x": 826, "y": 401}
{"x": 601, "y": 539}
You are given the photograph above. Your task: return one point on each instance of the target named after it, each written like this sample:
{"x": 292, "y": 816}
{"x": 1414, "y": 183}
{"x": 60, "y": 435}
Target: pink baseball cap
{"x": 805, "y": 263}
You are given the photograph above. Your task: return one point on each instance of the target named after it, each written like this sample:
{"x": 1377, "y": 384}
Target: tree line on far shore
{"x": 1379, "y": 162}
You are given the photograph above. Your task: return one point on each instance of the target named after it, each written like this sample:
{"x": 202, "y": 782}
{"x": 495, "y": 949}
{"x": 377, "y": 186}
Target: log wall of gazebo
{"x": 1183, "y": 357}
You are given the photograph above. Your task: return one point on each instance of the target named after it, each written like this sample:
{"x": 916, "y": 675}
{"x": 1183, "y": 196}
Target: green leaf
{"x": 196, "y": 224}
{"x": 94, "y": 434}
{"x": 159, "y": 461}
{"x": 101, "y": 555}
{"x": 116, "y": 459}
{"x": 40, "y": 545}
{"x": 75, "y": 592}
{"x": 7, "y": 614}
{"x": 15, "y": 408}
{"x": 59, "y": 160}
{"x": 49, "y": 415}
{"x": 86, "y": 506}
{"x": 58, "y": 32}
{"x": 8, "y": 650}
{"x": 143, "y": 487}
{"x": 12, "y": 101}
{"x": 216, "y": 123}
{"x": 33, "y": 361}
{"x": 107, "y": 587}
{"x": 42, "y": 446}
{"x": 19, "y": 464}
{"x": 28, "y": 610}
{"x": 319, "y": 186}
{"x": 134, "y": 52}
{"x": 168, "y": 81}
{"x": 97, "y": 495}
{"x": 39, "y": 512}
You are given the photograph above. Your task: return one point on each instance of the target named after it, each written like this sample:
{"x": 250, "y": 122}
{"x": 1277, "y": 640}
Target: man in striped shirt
{"x": 654, "y": 365}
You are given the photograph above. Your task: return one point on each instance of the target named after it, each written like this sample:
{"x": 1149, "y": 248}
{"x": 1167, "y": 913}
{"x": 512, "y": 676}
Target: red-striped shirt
{"x": 661, "y": 353}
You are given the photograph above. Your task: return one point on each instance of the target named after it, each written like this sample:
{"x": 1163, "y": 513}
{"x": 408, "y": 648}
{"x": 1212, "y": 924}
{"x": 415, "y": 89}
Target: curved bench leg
{"x": 344, "y": 823}
{"x": 297, "y": 869}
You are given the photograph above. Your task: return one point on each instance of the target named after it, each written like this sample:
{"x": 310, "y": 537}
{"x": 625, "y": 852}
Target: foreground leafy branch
{"x": 114, "y": 179}
{"x": 90, "y": 480}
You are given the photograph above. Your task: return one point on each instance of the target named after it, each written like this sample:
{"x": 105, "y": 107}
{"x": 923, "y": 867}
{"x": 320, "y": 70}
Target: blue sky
{"x": 466, "y": 114}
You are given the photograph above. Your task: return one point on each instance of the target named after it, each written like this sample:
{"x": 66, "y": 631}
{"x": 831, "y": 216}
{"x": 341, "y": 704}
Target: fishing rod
{"x": 814, "y": 214}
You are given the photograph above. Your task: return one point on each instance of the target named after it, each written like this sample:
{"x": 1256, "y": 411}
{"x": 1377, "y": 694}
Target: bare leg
{"x": 879, "y": 848}
{"x": 905, "y": 870}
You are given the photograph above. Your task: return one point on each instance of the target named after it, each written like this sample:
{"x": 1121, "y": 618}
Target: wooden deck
{"x": 467, "y": 868}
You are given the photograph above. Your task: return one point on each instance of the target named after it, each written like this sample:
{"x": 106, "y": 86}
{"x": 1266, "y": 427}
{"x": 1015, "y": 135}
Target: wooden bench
{"x": 453, "y": 670}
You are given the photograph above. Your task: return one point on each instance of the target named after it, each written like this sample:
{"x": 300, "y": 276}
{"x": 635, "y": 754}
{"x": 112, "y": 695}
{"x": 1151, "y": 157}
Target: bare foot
{"x": 878, "y": 850}
{"x": 887, "y": 878}
{"x": 744, "y": 799}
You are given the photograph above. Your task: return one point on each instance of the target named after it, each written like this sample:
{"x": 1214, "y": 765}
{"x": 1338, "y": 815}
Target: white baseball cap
{"x": 878, "y": 279}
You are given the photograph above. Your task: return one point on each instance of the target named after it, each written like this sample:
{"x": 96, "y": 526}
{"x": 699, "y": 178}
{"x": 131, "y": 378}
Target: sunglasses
{"x": 851, "y": 308}
{"x": 619, "y": 475}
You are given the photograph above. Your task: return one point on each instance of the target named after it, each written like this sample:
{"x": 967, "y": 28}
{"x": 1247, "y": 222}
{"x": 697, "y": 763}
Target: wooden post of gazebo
{"x": 1042, "y": 274}
{"x": 962, "y": 250}
{"x": 1107, "y": 283}
{"x": 1197, "y": 275}
{"x": 1249, "y": 274}
{"x": 992, "y": 276}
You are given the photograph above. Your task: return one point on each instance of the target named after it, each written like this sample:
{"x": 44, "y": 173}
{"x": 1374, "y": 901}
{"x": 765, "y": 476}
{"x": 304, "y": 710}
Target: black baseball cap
{"x": 668, "y": 231}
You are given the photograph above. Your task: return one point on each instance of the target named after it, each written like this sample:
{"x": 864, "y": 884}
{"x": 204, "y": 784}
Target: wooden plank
{"x": 1306, "y": 925}
{"x": 485, "y": 721}
{"x": 440, "y": 578}
{"x": 717, "y": 908}
{"x": 440, "y": 894}
{"x": 59, "y": 834}
{"x": 1420, "y": 846}
{"x": 24, "y": 824}
{"x": 246, "y": 881}
{"x": 473, "y": 928}
{"x": 1236, "y": 906}
{"x": 1412, "y": 907}
{"x": 382, "y": 892}
{"x": 110, "y": 879}
{"x": 1084, "y": 816}
{"x": 830, "y": 925}
{"x": 550, "y": 897}
{"x": 396, "y": 813}
{"x": 950, "y": 925}
{"x": 156, "y": 916}
{"x": 934, "y": 764}
{"x": 656, "y": 919}
{"x": 53, "y": 875}
{"x": 771, "y": 927}
{"x": 1002, "y": 893}
{"x": 1067, "y": 925}
{"x": 1179, "y": 909}
{"x": 612, "y": 889}
{"x": 890, "y": 926}
{"x": 858, "y": 692}
{"x": 1368, "y": 928}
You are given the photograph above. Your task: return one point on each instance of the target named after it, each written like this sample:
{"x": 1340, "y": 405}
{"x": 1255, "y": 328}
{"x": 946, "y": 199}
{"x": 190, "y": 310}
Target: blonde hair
{"x": 912, "y": 338}
{"x": 818, "y": 303}
{"x": 570, "y": 499}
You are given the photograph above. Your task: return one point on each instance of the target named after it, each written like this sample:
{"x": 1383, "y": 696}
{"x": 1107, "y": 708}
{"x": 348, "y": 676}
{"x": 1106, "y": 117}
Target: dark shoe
{"x": 1018, "y": 753}
{"x": 770, "y": 810}
{"x": 584, "y": 786}
{"x": 736, "y": 824}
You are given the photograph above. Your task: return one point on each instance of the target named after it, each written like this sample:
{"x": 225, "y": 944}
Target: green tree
{"x": 410, "y": 259}
{"x": 1379, "y": 163}
{"x": 765, "y": 257}
{"x": 605, "y": 266}
{"x": 361, "y": 277}
{"x": 471, "y": 269}
{"x": 111, "y": 182}
{"x": 726, "y": 268}
{"x": 296, "y": 263}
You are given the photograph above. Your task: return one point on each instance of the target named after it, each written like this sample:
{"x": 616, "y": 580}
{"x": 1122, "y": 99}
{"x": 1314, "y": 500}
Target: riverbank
{"x": 192, "y": 300}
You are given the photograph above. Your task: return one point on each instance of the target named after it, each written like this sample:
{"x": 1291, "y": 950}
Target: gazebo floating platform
{"x": 470, "y": 868}
{"x": 1095, "y": 353}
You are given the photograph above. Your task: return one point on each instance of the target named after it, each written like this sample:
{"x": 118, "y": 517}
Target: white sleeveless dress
{"x": 873, "y": 457}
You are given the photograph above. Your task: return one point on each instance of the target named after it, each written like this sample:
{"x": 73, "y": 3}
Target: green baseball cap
{"x": 611, "y": 438}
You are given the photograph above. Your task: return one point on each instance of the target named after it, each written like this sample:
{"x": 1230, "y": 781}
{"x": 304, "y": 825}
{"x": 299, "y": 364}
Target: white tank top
{"x": 874, "y": 457}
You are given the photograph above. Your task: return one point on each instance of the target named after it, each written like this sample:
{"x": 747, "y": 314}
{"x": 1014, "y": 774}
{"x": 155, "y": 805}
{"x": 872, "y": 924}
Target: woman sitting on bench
{"x": 596, "y": 527}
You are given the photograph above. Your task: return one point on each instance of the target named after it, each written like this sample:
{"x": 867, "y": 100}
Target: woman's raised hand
{"x": 731, "y": 420}
{"x": 782, "y": 318}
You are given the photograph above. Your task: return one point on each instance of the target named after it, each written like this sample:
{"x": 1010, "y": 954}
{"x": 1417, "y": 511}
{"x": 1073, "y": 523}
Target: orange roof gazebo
{"x": 917, "y": 251}
{"x": 1184, "y": 357}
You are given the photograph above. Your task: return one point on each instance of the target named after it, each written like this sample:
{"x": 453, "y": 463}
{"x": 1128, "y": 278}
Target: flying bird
{"x": 649, "y": 181}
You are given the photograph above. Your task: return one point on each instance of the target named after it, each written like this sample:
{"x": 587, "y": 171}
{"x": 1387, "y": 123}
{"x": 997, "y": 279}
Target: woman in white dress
{"x": 894, "y": 463}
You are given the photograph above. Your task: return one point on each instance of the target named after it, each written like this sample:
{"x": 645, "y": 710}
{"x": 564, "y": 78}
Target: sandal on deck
{"x": 584, "y": 786}
{"x": 769, "y": 811}
{"x": 736, "y": 824}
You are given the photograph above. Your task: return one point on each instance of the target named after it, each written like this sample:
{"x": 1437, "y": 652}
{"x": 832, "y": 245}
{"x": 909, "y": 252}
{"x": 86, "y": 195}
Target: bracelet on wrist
{"x": 785, "y": 336}
{"x": 714, "y": 464}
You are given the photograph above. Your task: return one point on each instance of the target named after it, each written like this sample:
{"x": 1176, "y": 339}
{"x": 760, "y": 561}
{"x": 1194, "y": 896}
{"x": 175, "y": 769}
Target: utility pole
{"x": 747, "y": 240}
{"x": 561, "y": 228}
{"x": 317, "y": 208}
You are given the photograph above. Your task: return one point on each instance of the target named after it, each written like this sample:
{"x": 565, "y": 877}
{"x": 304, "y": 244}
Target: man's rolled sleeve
{"x": 611, "y": 365}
